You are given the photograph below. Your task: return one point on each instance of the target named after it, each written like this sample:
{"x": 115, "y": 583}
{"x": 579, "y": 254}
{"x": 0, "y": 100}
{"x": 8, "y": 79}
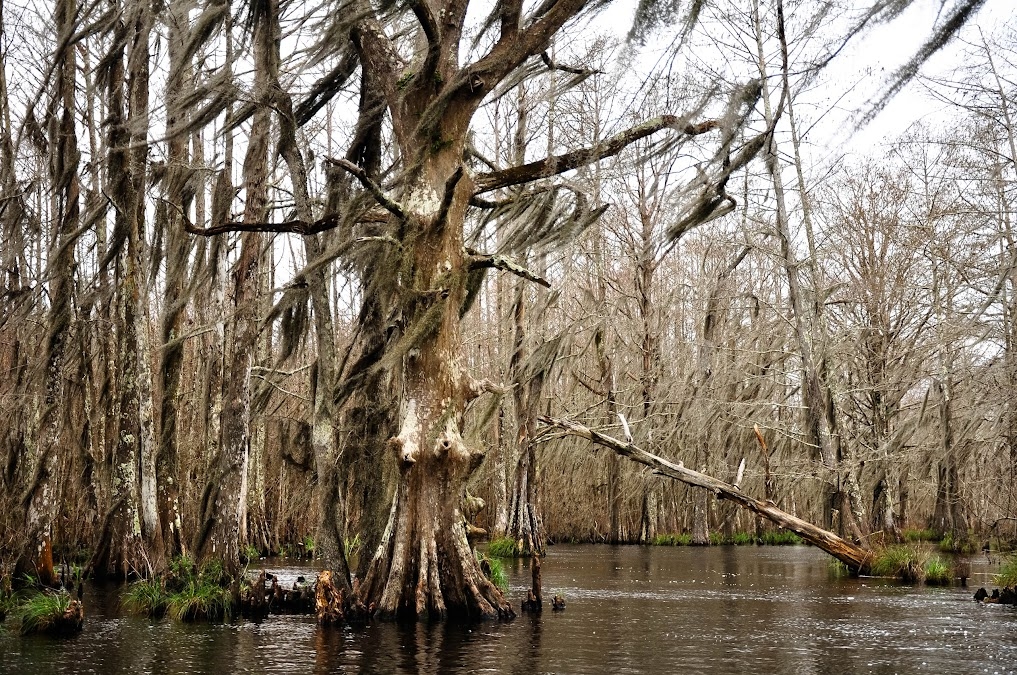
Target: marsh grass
{"x": 1007, "y": 577}
{"x": 494, "y": 570}
{"x": 249, "y": 554}
{"x": 148, "y": 597}
{"x": 503, "y": 547}
{"x": 353, "y": 545}
{"x": 915, "y": 535}
{"x": 743, "y": 539}
{"x": 672, "y": 540}
{"x": 937, "y": 572}
{"x": 201, "y": 600}
{"x": 904, "y": 561}
{"x": 186, "y": 594}
{"x": 39, "y": 611}
{"x": 949, "y": 544}
{"x": 780, "y": 538}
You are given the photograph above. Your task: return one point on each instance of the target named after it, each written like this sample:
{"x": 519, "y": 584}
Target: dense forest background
{"x": 838, "y": 331}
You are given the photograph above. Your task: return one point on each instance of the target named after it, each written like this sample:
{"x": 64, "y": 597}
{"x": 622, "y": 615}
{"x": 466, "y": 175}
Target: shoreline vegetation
{"x": 187, "y": 593}
{"x": 206, "y": 594}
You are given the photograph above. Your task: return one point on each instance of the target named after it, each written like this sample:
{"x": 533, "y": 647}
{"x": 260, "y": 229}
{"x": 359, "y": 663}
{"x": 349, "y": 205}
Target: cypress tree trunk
{"x": 121, "y": 548}
{"x": 39, "y": 502}
{"x": 424, "y": 564}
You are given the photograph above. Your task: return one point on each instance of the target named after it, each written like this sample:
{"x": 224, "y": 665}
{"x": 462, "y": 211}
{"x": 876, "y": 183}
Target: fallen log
{"x": 856, "y": 558}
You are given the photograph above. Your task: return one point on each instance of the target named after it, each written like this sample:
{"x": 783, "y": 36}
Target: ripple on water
{"x": 630, "y": 610}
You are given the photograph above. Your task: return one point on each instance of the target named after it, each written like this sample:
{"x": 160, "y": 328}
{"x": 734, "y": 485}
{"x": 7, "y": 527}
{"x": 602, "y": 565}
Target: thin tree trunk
{"x": 224, "y": 495}
{"x": 816, "y": 395}
{"x": 39, "y": 501}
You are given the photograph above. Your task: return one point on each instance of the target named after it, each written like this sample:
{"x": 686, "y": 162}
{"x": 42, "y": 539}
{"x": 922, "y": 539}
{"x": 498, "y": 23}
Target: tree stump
{"x": 534, "y": 601}
{"x": 328, "y": 601}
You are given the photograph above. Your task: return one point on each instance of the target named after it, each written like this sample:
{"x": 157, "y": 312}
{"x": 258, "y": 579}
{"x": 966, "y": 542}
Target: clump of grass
{"x": 937, "y": 572}
{"x": 201, "y": 601}
{"x": 718, "y": 539}
{"x": 148, "y": 597}
{"x": 503, "y": 547}
{"x": 780, "y": 538}
{"x": 182, "y": 567}
{"x": 906, "y": 562}
{"x": 683, "y": 539}
{"x": 249, "y": 554}
{"x": 743, "y": 539}
{"x": 352, "y": 545}
{"x": 916, "y": 535}
{"x": 950, "y": 544}
{"x": 186, "y": 594}
{"x": 41, "y": 611}
{"x": 1007, "y": 577}
{"x": 493, "y": 569}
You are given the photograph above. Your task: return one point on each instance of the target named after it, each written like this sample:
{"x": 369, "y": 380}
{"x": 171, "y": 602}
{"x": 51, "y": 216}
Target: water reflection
{"x": 630, "y": 610}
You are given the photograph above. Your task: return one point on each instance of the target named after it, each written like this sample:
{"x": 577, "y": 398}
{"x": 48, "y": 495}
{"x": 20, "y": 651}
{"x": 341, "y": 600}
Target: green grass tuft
{"x": 949, "y": 544}
{"x": 494, "y": 570}
{"x": 672, "y": 540}
{"x": 201, "y": 600}
{"x": 148, "y": 597}
{"x": 906, "y": 562}
{"x": 743, "y": 539}
{"x": 249, "y": 554}
{"x": 780, "y": 538}
{"x": 1007, "y": 577}
{"x": 503, "y": 547}
{"x": 185, "y": 594}
{"x": 937, "y": 572}
{"x": 915, "y": 535}
{"x": 182, "y": 567}
{"x": 352, "y": 545}
{"x": 39, "y": 611}
{"x": 717, "y": 539}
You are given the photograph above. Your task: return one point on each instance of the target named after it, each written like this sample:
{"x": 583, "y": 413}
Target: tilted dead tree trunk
{"x": 856, "y": 558}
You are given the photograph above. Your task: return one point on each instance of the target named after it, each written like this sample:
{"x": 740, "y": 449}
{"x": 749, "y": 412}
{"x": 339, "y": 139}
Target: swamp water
{"x": 630, "y": 610}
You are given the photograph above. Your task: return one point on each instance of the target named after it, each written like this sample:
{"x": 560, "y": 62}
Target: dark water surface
{"x": 630, "y": 610}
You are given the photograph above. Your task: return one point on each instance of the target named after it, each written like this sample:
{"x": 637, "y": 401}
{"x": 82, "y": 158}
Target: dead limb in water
{"x": 855, "y": 557}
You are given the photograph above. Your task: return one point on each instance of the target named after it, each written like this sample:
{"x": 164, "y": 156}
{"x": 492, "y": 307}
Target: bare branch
{"x": 558, "y": 164}
{"x": 450, "y": 189}
{"x": 554, "y": 65}
{"x": 296, "y": 226}
{"x": 326, "y": 88}
{"x": 479, "y": 261}
{"x": 387, "y": 202}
